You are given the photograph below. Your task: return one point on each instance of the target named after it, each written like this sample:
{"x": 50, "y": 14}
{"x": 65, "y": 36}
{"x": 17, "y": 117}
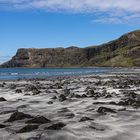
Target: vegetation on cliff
{"x": 123, "y": 52}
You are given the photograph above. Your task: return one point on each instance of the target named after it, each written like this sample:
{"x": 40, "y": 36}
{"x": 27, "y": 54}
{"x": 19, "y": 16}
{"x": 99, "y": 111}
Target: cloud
{"x": 114, "y": 11}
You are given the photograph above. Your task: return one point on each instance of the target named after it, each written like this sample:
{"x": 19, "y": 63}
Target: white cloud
{"x": 115, "y": 10}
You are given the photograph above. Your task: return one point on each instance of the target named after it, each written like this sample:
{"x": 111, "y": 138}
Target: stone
{"x": 18, "y": 116}
{"x": 36, "y": 92}
{"x": 12, "y": 86}
{"x": 18, "y": 91}
{"x": 2, "y": 126}
{"x": 56, "y": 126}
{"x": 28, "y": 128}
{"x": 54, "y": 97}
{"x": 39, "y": 120}
{"x": 2, "y": 99}
{"x": 104, "y": 110}
{"x": 85, "y": 119}
{"x": 30, "y": 87}
{"x": 50, "y": 102}
{"x": 62, "y": 98}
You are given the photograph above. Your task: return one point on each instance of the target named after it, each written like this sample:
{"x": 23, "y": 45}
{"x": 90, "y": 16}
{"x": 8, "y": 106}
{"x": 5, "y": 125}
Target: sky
{"x": 63, "y": 23}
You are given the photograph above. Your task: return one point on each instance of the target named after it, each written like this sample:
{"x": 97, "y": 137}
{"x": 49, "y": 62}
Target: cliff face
{"x": 124, "y": 51}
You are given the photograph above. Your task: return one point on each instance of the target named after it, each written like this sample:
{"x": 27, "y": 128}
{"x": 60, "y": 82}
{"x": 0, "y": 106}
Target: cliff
{"x": 124, "y": 51}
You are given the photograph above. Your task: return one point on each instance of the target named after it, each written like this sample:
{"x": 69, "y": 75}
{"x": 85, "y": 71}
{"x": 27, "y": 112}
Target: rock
{"x": 50, "y": 102}
{"x": 28, "y": 128}
{"x": 12, "y": 86}
{"x": 18, "y": 116}
{"x": 90, "y": 92}
{"x": 85, "y": 119}
{"x": 2, "y": 99}
{"x": 18, "y": 91}
{"x": 2, "y": 126}
{"x": 30, "y": 87}
{"x": 54, "y": 97}
{"x": 62, "y": 98}
{"x": 7, "y": 112}
{"x": 77, "y": 96}
{"x": 83, "y": 96}
{"x": 129, "y": 101}
{"x": 39, "y": 120}
{"x": 97, "y": 128}
{"x": 2, "y": 85}
{"x": 69, "y": 115}
{"x": 103, "y": 110}
{"x": 56, "y": 126}
{"x": 66, "y": 91}
{"x": 36, "y": 92}
{"x": 74, "y": 56}
{"x": 108, "y": 96}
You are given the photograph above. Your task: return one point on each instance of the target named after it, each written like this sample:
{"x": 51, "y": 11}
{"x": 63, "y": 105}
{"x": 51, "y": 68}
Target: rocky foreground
{"x": 95, "y": 107}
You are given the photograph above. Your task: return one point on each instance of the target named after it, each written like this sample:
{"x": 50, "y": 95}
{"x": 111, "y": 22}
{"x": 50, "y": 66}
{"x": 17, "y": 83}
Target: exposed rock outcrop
{"x": 126, "y": 49}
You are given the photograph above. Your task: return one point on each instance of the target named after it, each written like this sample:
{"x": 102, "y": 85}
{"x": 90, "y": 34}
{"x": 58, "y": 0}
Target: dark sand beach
{"x": 90, "y": 107}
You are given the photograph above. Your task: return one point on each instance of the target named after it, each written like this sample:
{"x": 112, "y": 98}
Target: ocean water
{"x": 43, "y": 73}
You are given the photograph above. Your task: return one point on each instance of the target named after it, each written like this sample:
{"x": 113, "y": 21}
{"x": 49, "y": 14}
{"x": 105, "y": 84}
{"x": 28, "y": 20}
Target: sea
{"x": 44, "y": 73}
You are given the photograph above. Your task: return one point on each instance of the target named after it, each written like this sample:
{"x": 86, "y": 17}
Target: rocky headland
{"x": 122, "y": 52}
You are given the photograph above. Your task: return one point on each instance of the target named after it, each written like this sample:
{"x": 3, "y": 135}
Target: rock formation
{"x": 124, "y": 51}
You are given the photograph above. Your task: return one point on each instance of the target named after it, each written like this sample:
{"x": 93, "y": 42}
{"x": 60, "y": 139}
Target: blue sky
{"x": 62, "y": 23}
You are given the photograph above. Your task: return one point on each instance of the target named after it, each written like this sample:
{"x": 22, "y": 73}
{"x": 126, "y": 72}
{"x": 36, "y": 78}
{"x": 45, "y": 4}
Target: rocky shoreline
{"x": 99, "y": 107}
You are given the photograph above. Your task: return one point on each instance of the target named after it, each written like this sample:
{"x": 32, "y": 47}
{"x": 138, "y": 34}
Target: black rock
{"x": 54, "y": 97}
{"x": 18, "y": 91}
{"x": 108, "y": 96}
{"x": 83, "y": 95}
{"x": 62, "y": 98}
{"x": 36, "y": 92}
{"x": 12, "y": 86}
{"x": 129, "y": 101}
{"x": 85, "y": 119}
{"x": 2, "y": 126}
{"x": 66, "y": 91}
{"x": 56, "y": 126}
{"x": 2, "y": 85}
{"x": 2, "y": 99}
{"x": 103, "y": 110}
{"x": 90, "y": 92}
{"x": 29, "y": 88}
{"x": 28, "y": 128}
{"x": 18, "y": 116}
{"x": 39, "y": 120}
{"x": 50, "y": 102}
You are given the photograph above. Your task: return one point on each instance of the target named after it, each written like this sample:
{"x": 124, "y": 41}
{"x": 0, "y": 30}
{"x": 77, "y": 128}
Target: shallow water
{"x": 123, "y": 125}
{"x": 42, "y": 73}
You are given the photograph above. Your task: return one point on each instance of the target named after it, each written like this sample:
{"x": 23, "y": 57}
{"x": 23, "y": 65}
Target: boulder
{"x": 56, "y": 126}
{"x": 39, "y": 120}
{"x": 28, "y": 128}
{"x": 2, "y": 99}
{"x": 12, "y": 86}
{"x": 85, "y": 119}
{"x": 18, "y": 116}
{"x": 18, "y": 91}
{"x": 2, "y": 126}
{"x": 62, "y": 98}
{"x": 104, "y": 110}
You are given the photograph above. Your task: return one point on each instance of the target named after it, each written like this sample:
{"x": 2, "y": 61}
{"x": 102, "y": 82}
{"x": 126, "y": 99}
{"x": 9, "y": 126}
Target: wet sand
{"x": 94, "y": 107}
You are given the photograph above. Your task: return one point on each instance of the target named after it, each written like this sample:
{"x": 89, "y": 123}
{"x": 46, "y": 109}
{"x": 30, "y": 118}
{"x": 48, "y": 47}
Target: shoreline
{"x": 98, "y": 106}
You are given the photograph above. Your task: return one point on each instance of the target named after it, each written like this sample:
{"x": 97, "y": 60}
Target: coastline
{"x": 97, "y": 106}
